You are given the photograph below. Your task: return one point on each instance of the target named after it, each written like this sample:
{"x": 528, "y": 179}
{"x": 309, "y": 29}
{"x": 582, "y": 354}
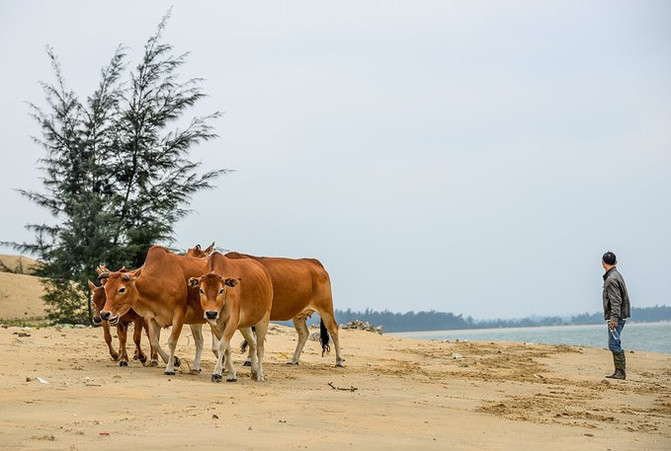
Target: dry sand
{"x": 394, "y": 393}
{"x": 20, "y": 293}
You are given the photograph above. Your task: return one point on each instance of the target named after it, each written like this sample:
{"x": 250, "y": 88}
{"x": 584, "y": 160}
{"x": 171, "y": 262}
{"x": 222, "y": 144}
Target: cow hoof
{"x": 216, "y": 378}
{"x": 153, "y": 363}
{"x": 247, "y": 363}
{"x": 142, "y": 359}
{"x": 235, "y": 379}
{"x": 196, "y": 371}
{"x": 123, "y": 363}
{"x": 115, "y": 357}
{"x": 169, "y": 373}
{"x": 177, "y": 362}
{"x": 292, "y": 363}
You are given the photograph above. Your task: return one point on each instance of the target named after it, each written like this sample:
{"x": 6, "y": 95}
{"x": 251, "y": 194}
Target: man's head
{"x": 608, "y": 260}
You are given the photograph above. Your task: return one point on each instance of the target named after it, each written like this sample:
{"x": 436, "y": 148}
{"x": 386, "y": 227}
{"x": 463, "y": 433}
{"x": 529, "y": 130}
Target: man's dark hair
{"x": 609, "y": 258}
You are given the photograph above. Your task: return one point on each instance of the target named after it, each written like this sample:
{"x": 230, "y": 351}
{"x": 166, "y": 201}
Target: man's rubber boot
{"x": 620, "y": 366}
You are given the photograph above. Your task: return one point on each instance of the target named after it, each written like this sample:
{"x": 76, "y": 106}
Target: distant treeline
{"x": 432, "y": 320}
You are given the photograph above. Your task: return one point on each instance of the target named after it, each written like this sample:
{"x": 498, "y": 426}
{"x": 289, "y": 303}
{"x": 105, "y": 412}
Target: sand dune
{"x": 20, "y": 292}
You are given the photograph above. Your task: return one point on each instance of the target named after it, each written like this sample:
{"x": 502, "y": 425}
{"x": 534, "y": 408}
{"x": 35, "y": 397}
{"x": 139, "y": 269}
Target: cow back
{"x": 253, "y": 294}
{"x": 298, "y": 284}
{"x": 163, "y": 284}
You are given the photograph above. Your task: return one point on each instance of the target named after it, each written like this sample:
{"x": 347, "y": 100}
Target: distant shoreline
{"x": 557, "y": 326}
{"x": 641, "y": 337}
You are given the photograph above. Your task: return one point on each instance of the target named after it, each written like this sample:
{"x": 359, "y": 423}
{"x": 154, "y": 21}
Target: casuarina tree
{"x": 117, "y": 171}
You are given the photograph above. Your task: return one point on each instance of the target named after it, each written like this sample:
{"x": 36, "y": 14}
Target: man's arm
{"x": 615, "y": 297}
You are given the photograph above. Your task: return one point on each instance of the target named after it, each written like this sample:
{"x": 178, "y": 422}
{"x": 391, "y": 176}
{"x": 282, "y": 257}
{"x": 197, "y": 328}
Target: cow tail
{"x": 324, "y": 337}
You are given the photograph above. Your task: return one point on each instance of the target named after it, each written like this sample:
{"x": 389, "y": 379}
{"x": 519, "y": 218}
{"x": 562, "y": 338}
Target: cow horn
{"x": 104, "y": 275}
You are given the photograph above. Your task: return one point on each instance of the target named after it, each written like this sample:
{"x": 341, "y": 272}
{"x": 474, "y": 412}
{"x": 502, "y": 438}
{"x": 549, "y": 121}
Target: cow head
{"x": 98, "y": 299}
{"x": 199, "y": 252}
{"x": 212, "y": 289}
{"x": 120, "y": 293}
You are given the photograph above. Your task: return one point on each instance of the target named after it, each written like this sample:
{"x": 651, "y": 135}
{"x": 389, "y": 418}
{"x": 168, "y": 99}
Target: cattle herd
{"x": 229, "y": 292}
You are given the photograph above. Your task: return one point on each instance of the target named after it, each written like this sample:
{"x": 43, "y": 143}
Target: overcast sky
{"x": 474, "y": 157}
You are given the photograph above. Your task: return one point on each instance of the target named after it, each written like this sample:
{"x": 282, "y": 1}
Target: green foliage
{"x": 117, "y": 174}
{"x": 405, "y": 322}
{"x": 66, "y": 302}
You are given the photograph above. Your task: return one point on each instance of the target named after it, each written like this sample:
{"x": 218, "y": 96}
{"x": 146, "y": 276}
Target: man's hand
{"x": 612, "y": 324}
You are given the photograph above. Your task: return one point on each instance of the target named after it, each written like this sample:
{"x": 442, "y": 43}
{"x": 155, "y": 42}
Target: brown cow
{"x": 158, "y": 291}
{"x": 139, "y": 324}
{"x": 300, "y": 287}
{"x": 236, "y": 294}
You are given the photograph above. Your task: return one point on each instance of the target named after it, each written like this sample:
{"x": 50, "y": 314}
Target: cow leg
{"x": 153, "y": 350}
{"x": 177, "y": 324}
{"x": 216, "y": 340}
{"x": 261, "y": 330}
{"x": 300, "y": 324}
{"x": 197, "y": 332}
{"x": 154, "y": 335}
{"x": 228, "y": 364}
{"x": 215, "y": 345}
{"x": 108, "y": 339}
{"x": 251, "y": 342}
{"x": 250, "y": 351}
{"x": 332, "y": 327}
{"x": 122, "y": 332}
{"x": 138, "y": 325}
{"x": 224, "y": 348}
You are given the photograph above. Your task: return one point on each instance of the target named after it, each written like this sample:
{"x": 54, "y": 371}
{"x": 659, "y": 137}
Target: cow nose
{"x": 97, "y": 320}
{"x": 210, "y": 314}
{"x": 105, "y": 315}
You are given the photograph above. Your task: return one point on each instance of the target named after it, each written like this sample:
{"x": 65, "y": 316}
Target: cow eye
{"x": 201, "y": 291}
{"x": 221, "y": 291}
{"x": 122, "y": 290}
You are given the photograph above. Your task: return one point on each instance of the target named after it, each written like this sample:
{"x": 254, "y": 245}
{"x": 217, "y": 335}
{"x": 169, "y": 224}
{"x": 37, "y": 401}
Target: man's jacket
{"x": 615, "y": 296}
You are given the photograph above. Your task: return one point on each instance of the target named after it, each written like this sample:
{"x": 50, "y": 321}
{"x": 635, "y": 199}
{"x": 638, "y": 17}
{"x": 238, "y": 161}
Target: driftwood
{"x": 351, "y": 388}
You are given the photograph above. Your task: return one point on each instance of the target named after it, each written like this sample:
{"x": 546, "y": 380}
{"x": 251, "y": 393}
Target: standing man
{"x": 616, "y": 309}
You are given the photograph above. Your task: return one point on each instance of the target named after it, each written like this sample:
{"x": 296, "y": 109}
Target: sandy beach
{"x": 60, "y": 390}
{"x": 394, "y": 393}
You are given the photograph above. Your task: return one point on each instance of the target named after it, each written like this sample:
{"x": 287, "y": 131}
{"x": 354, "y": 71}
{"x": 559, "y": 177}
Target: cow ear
{"x": 194, "y": 282}
{"x": 232, "y": 281}
{"x": 92, "y": 286}
{"x": 209, "y": 249}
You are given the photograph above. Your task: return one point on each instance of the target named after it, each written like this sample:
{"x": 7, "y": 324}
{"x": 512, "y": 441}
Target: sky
{"x": 473, "y": 157}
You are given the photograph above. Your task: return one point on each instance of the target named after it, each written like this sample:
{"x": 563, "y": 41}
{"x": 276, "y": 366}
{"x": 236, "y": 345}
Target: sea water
{"x": 651, "y": 337}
